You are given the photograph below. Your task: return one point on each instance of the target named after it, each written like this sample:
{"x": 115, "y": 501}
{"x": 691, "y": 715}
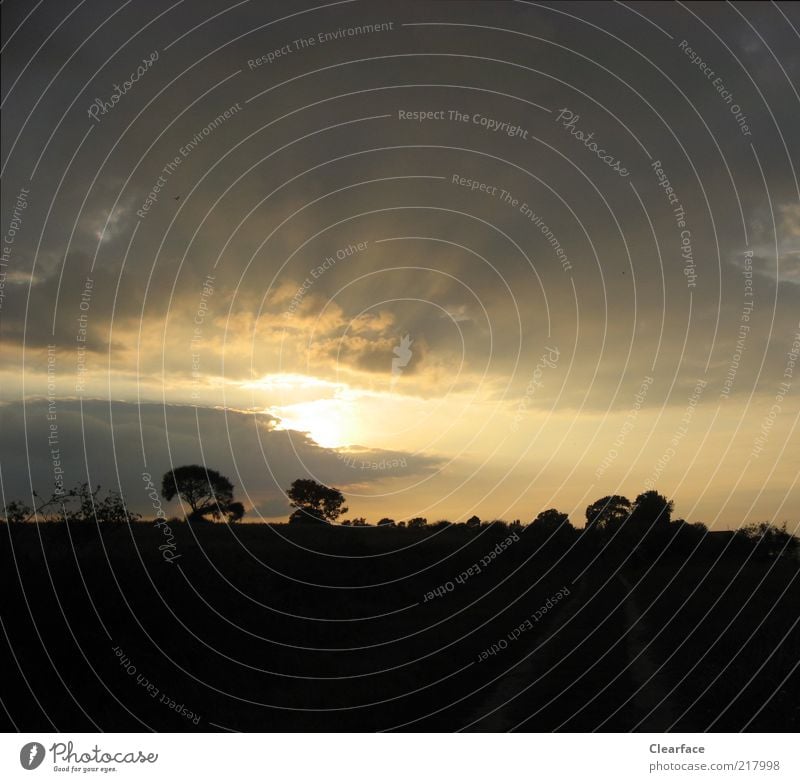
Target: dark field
{"x": 270, "y": 628}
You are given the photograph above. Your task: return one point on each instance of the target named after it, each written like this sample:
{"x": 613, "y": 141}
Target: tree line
{"x": 206, "y": 495}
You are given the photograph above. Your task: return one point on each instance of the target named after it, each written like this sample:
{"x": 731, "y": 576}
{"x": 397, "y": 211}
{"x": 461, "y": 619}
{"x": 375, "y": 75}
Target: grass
{"x": 262, "y": 627}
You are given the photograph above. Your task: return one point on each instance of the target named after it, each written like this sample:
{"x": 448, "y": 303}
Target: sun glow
{"x": 331, "y": 423}
{"x": 324, "y": 410}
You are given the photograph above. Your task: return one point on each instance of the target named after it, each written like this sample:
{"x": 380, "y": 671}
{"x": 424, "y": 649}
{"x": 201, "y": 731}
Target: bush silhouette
{"x": 79, "y": 504}
{"x": 18, "y": 512}
{"x": 302, "y": 516}
{"x": 235, "y": 511}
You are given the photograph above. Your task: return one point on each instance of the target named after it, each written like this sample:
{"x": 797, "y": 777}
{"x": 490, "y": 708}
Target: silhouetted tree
{"x": 607, "y": 513}
{"x": 681, "y": 537}
{"x": 204, "y": 490}
{"x": 417, "y": 522}
{"x": 473, "y": 521}
{"x": 386, "y": 523}
{"x": 769, "y": 539}
{"x": 651, "y": 510}
{"x": 551, "y": 521}
{"x": 315, "y": 502}
{"x": 360, "y": 521}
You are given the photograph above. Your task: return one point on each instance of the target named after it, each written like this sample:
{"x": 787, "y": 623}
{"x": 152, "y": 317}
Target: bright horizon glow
{"x": 290, "y": 381}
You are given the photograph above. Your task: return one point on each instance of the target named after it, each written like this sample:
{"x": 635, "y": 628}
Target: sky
{"x": 452, "y": 258}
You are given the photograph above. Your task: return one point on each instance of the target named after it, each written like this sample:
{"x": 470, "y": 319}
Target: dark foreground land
{"x": 302, "y": 629}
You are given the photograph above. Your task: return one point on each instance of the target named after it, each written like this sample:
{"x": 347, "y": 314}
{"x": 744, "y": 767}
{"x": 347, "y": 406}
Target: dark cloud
{"x": 114, "y": 444}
